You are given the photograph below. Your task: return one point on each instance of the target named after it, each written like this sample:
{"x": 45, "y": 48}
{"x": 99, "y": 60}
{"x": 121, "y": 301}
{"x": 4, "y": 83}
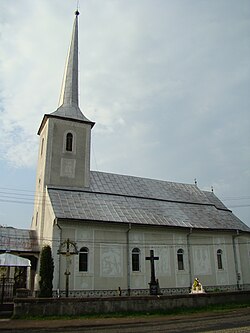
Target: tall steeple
{"x": 69, "y": 92}
{"x": 65, "y": 134}
{"x": 69, "y": 103}
{"x": 65, "y": 141}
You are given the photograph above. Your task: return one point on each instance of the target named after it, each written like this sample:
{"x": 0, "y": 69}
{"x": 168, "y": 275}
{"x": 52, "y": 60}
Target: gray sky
{"x": 167, "y": 83}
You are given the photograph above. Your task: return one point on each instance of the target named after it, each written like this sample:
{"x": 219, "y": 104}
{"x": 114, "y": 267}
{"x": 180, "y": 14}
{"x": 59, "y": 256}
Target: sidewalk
{"x": 228, "y": 317}
{"x": 25, "y": 325}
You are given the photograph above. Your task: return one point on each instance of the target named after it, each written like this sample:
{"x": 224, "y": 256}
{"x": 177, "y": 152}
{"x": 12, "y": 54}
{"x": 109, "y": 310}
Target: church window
{"x": 36, "y": 218}
{"x": 180, "y": 259}
{"x": 219, "y": 259}
{"x": 69, "y": 142}
{"x": 136, "y": 259}
{"x": 42, "y": 146}
{"x": 83, "y": 259}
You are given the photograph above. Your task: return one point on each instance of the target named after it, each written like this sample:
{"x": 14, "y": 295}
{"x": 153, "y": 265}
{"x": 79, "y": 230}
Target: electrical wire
{"x": 14, "y": 195}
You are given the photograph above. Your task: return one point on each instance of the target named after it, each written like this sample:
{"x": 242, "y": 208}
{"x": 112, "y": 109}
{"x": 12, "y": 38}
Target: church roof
{"x": 18, "y": 240}
{"x": 127, "y": 199}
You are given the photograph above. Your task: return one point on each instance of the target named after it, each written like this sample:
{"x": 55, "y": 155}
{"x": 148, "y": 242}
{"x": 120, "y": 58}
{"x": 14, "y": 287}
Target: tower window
{"x": 219, "y": 259}
{"x": 136, "y": 259}
{"x": 42, "y": 144}
{"x": 69, "y": 142}
{"x": 180, "y": 259}
{"x": 83, "y": 259}
{"x": 36, "y": 218}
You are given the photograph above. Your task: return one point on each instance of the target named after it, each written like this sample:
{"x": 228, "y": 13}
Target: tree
{"x": 46, "y": 272}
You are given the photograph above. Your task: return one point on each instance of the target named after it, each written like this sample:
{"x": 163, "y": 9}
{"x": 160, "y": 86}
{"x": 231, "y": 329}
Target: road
{"x": 233, "y": 321}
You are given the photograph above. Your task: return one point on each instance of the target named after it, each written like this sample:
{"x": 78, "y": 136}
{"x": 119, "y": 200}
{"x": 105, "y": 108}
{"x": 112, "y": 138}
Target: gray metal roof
{"x": 127, "y": 199}
{"x": 70, "y": 112}
{"x": 20, "y": 240}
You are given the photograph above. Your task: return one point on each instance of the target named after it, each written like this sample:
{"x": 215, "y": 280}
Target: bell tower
{"x": 65, "y": 134}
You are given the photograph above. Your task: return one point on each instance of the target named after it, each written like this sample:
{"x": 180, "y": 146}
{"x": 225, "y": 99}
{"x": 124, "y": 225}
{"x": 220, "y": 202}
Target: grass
{"x": 177, "y": 311}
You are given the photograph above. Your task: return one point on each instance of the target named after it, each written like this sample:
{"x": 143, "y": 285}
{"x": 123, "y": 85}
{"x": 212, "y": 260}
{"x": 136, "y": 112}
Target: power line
{"x": 238, "y": 206}
{"x": 15, "y": 189}
{"x": 236, "y": 198}
{"x": 28, "y": 197}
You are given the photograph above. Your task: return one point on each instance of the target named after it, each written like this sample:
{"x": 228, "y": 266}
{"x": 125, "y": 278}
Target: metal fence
{"x": 6, "y": 290}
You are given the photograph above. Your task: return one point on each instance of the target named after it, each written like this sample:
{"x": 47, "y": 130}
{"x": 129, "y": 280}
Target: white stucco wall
{"x": 110, "y": 246}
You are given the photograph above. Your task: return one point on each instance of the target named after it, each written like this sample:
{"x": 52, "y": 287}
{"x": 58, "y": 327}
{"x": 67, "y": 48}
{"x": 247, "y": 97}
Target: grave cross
{"x": 152, "y": 259}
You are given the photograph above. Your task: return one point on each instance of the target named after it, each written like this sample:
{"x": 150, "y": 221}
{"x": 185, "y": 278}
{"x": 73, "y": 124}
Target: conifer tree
{"x": 46, "y": 272}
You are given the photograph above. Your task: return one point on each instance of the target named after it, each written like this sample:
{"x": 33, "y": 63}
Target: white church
{"x": 102, "y": 226}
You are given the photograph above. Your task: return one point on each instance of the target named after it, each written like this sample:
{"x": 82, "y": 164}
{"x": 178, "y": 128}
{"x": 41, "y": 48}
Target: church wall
{"x": 110, "y": 257}
{"x": 106, "y": 258}
{"x": 161, "y": 241}
{"x": 204, "y": 265}
{"x": 206, "y": 246}
{"x": 223, "y": 275}
{"x": 46, "y": 235}
{"x": 37, "y": 221}
{"x": 182, "y": 277}
{"x": 49, "y": 218}
{"x": 244, "y": 250}
{"x": 56, "y": 240}
{"x": 110, "y": 245}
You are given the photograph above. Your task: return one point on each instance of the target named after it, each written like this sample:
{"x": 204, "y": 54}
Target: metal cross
{"x": 152, "y": 259}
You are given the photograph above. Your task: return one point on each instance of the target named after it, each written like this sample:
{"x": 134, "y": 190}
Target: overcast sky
{"x": 167, "y": 83}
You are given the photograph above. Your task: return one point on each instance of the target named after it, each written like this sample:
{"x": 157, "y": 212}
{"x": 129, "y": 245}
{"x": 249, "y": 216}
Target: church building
{"x": 102, "y": 226}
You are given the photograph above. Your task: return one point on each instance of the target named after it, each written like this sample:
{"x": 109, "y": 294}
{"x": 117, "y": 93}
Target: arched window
{"x": 136, "y": 259}
{"x": 180, "y": 260}
{"x": 219, "y": 259}
{"x": 69, "y": 142}
{"x": 83, "y": 259}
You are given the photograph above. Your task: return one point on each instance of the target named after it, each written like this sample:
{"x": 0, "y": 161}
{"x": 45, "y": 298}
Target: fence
{"x": 6, "y": 290}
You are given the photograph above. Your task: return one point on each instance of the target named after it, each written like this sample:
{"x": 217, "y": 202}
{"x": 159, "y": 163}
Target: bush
{"x": 46, "y": 272}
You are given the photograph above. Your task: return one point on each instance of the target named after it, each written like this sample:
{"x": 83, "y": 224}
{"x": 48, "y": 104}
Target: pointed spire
{"x": 69, "y": 92}
{"x": 68, "y": 103}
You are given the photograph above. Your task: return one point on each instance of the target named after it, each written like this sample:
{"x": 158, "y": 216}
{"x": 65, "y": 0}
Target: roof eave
{"x": 46, "y": 116}
{"x": 190, "y": 229}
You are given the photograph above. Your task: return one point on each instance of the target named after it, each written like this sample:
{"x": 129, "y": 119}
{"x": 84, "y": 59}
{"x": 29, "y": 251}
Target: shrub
{"x": 46, "y": 272}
